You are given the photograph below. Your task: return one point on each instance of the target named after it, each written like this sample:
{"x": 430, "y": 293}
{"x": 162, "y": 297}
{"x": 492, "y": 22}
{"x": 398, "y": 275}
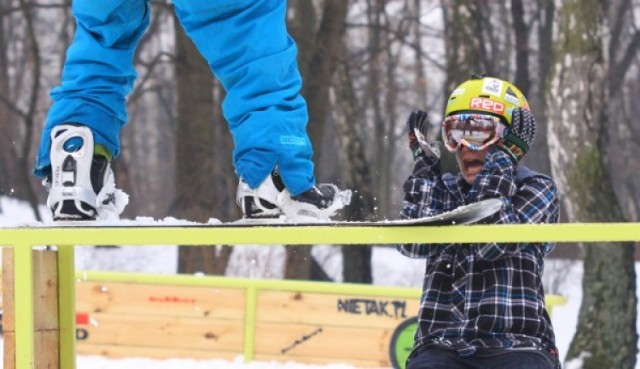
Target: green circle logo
{"x": 402, "y": 342}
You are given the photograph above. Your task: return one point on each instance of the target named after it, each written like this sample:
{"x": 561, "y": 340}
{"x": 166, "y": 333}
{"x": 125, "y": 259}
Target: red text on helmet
{"x": 487, "y": 105}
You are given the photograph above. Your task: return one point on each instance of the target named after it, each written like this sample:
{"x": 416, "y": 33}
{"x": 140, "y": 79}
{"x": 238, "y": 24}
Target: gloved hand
{"x": 520, "y": 135}
{"x": 417, "y": 126}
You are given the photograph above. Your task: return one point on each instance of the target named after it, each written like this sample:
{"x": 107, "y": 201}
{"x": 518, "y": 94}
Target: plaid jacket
{"x": 482, "y": 295}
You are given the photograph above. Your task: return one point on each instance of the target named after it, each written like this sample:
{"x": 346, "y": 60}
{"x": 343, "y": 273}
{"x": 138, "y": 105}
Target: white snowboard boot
{"x": 81, "y": 185}
{"x": 260, "y": 203}
{"x": 272, "y": 200}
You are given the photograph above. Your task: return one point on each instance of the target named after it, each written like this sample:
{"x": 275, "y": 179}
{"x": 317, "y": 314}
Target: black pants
{"x": 434, "y": 357}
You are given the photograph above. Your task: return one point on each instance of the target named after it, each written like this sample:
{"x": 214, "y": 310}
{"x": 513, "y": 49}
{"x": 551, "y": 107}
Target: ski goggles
{"x": 475, "y": 131}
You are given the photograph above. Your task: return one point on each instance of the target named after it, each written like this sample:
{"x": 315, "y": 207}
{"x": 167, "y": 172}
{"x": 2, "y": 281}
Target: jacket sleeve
{"x": 534, "y": 201}
{"x": 423, "y": 190}
{"x": 424, "y": 195}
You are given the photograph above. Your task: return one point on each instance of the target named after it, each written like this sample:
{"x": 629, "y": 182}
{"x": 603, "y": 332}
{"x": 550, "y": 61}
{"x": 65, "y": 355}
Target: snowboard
{"x": 467, "y": 214}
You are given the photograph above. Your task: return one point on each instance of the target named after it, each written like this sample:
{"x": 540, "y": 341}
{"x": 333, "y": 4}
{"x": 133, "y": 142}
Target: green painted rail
{"x": 65, "y": 238}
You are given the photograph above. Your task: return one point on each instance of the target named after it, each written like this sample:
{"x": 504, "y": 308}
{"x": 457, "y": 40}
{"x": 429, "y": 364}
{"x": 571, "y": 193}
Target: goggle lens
{"x": 475, "y": 131}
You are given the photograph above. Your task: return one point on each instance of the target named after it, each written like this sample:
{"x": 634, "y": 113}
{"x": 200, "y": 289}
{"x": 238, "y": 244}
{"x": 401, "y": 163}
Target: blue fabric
{"x": 249, "y": 50}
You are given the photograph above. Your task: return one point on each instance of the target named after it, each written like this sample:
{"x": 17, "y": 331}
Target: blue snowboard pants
{"x": 249, "y": 50}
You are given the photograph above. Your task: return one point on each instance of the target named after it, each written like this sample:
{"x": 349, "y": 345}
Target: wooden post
{"x": 8, "y": 309}
{"x": 46, "y": 341}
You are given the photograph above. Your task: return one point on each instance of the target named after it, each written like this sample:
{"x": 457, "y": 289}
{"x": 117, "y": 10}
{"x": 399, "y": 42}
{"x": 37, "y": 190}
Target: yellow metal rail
{"x": 320, "y": 234}
{"x": 65, "y": 238}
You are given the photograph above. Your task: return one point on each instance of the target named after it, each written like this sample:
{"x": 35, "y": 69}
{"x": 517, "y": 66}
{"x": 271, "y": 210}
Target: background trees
{"x": 366, "y": 64}
{"x": 585, "y": 109}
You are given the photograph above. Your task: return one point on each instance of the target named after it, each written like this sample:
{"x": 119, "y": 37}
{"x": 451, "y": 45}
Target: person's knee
{"x": 117, "y": 24}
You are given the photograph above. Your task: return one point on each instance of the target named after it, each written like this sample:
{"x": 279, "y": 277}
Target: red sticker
{"x": 479, "y": 103}
{"x": 82, "y": 318}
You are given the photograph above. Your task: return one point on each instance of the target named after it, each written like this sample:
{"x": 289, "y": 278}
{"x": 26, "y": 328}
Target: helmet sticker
{"x": 511, "y": 97}
{"x": 492, "y": 86}
{"x": 457, "y": 91}
{"x": 479, "y": 103}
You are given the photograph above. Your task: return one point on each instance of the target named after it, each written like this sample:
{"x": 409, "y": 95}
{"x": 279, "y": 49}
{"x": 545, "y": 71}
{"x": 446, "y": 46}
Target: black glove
{"x": 520, "y": 134}
{"x": 417, "y": 126}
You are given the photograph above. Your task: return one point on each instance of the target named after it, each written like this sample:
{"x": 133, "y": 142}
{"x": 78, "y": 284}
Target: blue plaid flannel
{"x": 479, "y": 296}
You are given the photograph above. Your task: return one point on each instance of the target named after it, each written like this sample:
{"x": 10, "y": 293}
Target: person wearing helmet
{"x": 482, "y": 305}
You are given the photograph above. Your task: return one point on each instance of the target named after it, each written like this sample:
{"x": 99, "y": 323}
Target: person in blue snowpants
{"x": 246, "y": 44}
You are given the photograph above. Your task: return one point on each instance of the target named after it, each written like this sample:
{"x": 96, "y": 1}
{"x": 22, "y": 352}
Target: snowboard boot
{"x": 81, "y": 184}
{"x": 272, "y": 200}
{"x": 260, "y": 203}
{"x": 319, "y": 203}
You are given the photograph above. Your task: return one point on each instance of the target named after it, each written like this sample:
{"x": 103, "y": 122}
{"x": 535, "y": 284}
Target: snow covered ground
{"x": 97, "y": 362}
{"x": 390, "y": 268}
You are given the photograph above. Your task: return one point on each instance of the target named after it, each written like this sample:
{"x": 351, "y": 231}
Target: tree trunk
{"x": 146, "y": 169}
{"x": 356, "y": 174}
{"x": 324, "y": 55}
{"x": 8, "y": 161}
{"x": 623, "y": 135}
{"x": 421, "y": 81}
{"x": 329, "y": 51}
{"x": 579, "y": 103}
{"x": 195, "y": 180}
{"x": 24, "y": 179}
{"x": 521, "y": 34}
{"x": 462, "y": 57}
{"x": 374, "y": 95}
{"x": 322, "y": 63}
{"x": 302, "y": 26}
{"x": 297, "y": 263}
{"x": 538, "y": 156}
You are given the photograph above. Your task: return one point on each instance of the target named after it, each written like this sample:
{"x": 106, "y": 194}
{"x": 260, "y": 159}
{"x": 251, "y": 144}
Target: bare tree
{"x": 463, "y": 56}
{"x": 16, "y": 158}
{"x": 321, "y": 58}
{"x": 374, "y": 96}
{"x": 622, "y": 134}
{"x": 146, "y": 166}
{"x": 580, "y": 100}
{"x": 542, "y": 18}
{"x": 8, "y": 161}
{"x": 521, "y": 35}
{"x": 471, "y": 44}
{"x": 195, "y": 179}
{"x": 356, "y": 173}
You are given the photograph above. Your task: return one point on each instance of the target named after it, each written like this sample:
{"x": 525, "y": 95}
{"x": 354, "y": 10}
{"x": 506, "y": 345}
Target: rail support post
{"x": 32, "y": 306}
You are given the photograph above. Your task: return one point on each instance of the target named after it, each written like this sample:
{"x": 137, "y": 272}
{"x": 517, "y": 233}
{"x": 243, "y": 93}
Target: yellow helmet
{"x": 486, "y": 95}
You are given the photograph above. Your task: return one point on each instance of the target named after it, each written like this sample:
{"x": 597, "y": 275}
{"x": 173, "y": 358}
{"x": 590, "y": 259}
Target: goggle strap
{"x": 513, "y": 149}
{"x": 515, "y": 140}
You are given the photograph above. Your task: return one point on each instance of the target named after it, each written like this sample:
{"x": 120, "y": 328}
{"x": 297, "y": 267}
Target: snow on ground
{"x": 389, "y": 268}
{"x": 97, "y": 362}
